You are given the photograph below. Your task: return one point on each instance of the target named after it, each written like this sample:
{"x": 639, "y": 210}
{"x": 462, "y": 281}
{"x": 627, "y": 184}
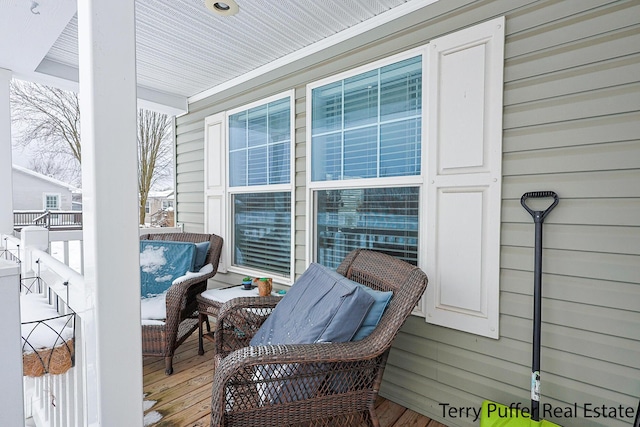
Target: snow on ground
{"x": 151, "y": 417}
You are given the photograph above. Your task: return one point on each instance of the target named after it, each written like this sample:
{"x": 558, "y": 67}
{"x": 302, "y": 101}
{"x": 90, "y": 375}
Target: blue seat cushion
{"x": 161, "y": 262}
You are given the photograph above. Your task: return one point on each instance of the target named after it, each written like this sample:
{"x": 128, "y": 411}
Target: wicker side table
{"x": 209, "y": 303}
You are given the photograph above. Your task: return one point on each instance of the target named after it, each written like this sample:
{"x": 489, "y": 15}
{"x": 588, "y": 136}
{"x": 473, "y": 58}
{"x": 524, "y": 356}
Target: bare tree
{"x": 154, "y": 153}
{"x": 48, "y": 122}
{"x": 56, "y": 165}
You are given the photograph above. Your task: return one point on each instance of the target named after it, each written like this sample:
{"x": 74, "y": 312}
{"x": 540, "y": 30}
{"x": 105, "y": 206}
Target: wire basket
{"x": 48, "y": 341}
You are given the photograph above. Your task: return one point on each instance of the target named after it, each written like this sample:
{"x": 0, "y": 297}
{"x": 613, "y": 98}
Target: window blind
{"x": 262, "y": 237}
{"x": 368, "y": 125}
{"x": 383, "y": 219}
{"x": 259, "y": 141}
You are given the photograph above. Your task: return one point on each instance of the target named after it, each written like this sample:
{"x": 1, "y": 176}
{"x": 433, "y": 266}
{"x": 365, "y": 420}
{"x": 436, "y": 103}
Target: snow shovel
{"x": 495, "y": 414}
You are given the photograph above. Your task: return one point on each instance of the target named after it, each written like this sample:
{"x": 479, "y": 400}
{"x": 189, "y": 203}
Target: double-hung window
{"x": 259, "y": 182}
{"x": 249, "y": 186}
{"x": 404, "y": 157}
{"x": 365, "y": 160}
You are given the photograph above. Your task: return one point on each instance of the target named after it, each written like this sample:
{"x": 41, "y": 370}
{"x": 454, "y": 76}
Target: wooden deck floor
{"x": 183, "y": 399}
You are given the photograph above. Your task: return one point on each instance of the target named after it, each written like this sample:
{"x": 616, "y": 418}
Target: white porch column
{"x": 106, "y": 34}
{"x": 6, "y": 170}
{"x": 11, "y": 406}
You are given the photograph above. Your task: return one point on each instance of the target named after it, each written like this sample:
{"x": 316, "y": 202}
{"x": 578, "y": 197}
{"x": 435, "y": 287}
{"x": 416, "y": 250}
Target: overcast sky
{"x": 22, "y": 156}
{"x": 19, "y": 156}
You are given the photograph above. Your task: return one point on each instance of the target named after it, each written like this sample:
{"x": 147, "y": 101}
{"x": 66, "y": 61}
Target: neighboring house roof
{"x": 46, "y": 178}
{"x": 164, "y": 194}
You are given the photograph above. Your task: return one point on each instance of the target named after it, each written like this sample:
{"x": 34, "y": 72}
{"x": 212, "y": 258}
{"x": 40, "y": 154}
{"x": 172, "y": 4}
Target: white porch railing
{"x": 57, "y": 400}
{"x": 67, "y": 247}
{"x": 53, "y": 400}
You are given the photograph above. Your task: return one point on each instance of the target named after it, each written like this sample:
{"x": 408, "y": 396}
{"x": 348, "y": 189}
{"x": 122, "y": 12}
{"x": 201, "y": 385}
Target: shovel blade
{"x": 497, "y": 415}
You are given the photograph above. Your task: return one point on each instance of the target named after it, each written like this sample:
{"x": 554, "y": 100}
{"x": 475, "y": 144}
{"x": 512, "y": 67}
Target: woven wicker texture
{"x": 181, "y": 302}
{"x": 326, "y": 384}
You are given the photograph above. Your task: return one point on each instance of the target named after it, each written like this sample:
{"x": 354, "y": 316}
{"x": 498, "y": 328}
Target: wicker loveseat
{"x": 318, "y": 384}
{"x": 181, "y": 307}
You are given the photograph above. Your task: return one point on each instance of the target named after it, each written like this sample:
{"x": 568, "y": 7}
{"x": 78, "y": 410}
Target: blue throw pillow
{"x": 321, "y": 306}
{"x": 201, "y": 255}
{"x": 161, "y": 262}
{"x": 375, "y": 312}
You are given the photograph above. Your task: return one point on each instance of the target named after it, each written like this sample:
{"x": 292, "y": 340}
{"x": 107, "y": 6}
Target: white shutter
{"x": 464, "y": 157}
{"x": 215, "y": 180}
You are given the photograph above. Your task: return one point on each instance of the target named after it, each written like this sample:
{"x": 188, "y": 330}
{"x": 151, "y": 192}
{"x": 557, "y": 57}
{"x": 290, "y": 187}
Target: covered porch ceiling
{"x": 185, "y": 52}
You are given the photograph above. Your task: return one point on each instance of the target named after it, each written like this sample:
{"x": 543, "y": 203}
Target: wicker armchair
{"x": 317, "y": 384}
{"x": 182, "y": 319}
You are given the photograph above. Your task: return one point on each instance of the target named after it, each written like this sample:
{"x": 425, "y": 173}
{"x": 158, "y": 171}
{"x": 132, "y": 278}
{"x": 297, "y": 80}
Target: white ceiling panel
{"x": 183, "y": 49}
{"x": 28, "y": 29}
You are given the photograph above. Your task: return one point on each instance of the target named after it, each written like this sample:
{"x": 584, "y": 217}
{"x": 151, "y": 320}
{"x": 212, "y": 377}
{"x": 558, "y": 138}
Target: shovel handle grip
{"x": 539, "y": 195}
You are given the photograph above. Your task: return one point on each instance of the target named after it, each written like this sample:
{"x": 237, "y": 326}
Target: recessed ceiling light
{"x": 225, "y": 8}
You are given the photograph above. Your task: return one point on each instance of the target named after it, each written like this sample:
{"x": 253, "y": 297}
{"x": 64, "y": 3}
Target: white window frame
{"x": 58, "y": 198}
{"x": 387, "y": 182}
{"x": 221, "y": 192}
{"x": 447, "y": 187}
